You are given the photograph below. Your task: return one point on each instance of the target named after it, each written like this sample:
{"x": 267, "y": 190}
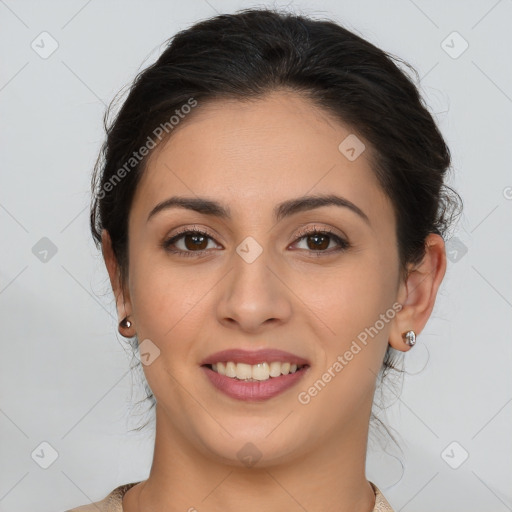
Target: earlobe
{"x": 417, "y": 294}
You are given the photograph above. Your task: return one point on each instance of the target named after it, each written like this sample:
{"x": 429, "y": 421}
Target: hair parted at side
{"x": 257, "y": 51}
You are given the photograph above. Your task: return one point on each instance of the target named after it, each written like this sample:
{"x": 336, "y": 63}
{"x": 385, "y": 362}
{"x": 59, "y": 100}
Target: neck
{"x": 331, "y": 476}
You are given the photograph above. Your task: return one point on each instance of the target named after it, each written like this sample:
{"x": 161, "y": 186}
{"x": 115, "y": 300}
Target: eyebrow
{"x": 285, "y": 209}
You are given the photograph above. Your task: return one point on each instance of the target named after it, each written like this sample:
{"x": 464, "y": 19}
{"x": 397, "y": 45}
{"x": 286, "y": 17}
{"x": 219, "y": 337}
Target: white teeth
{"x": 260, "y": 371}
{"x": 243, "y": 371}
{"x": 230, "y": 369}
{"x": 275, "y": 369}
{"x": 255, "y": 372}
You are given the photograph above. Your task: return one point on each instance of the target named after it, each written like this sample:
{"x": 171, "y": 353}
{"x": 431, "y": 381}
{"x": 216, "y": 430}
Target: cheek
{"x": 167, "y": 297}
{"x": 154, "y": 298}
{"x": 355, "y": 303}
{"x": 169, "y": 312}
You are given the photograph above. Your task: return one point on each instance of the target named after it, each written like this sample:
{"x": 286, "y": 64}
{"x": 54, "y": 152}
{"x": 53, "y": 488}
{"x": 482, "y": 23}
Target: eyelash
{"x": 343, "y": 244}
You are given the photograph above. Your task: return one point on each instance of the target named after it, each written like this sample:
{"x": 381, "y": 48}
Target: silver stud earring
{"x": 410, "y": 338}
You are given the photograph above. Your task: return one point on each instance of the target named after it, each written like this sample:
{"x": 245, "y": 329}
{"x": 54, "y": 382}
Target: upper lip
{"x": 252, "y": 357}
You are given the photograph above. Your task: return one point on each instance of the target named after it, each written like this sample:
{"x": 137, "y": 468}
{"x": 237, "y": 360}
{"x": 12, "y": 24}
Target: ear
{"x": 417, "y": 294}
{"x": 123, "y": 303}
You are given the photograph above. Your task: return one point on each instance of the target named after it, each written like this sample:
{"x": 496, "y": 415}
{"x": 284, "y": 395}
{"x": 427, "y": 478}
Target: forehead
{"x": 251, "y": 155}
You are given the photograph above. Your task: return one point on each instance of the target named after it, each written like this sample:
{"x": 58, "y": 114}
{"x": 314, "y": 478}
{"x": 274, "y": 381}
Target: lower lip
{"x": 253, "y": 391}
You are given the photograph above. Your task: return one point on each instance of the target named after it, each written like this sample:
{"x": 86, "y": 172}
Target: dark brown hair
{"x": 256, "y": 51}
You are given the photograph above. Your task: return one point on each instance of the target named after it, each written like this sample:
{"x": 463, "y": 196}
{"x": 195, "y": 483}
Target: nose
{"x": 254, "y": 296}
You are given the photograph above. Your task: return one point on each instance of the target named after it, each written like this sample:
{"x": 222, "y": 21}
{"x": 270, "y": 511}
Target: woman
{"x": 271, "y": 210}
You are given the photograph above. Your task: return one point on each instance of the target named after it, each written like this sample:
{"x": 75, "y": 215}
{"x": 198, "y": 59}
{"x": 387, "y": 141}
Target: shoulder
{"x": 111, "y": 503}
{"x": 381, "y": 504}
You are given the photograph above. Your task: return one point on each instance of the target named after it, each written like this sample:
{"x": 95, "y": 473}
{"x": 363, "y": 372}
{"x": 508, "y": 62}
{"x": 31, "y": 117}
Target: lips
{"x": 251, "y": 390}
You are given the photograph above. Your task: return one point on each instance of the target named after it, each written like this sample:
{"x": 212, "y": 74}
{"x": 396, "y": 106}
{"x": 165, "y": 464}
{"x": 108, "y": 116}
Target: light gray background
{"x": 64, "y": 371}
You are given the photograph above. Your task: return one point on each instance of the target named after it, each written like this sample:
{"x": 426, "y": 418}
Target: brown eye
{"x": 188, "y": 242}
{"x": 193, "y": 241}
{"x": 319, "y": 241}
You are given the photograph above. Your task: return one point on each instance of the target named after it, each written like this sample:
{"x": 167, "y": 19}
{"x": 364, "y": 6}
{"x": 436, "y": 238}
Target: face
{"x": 254, "y": 280}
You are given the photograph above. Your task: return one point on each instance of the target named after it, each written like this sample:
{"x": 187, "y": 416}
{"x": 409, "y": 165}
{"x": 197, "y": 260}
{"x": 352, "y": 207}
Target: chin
{"x": 251, "y": 445}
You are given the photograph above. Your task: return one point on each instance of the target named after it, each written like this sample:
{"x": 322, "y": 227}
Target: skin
{"x": 251, "y": 156}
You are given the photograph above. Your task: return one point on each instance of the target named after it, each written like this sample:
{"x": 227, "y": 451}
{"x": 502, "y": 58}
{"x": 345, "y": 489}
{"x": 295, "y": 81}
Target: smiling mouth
{"x": 255, "y": 372}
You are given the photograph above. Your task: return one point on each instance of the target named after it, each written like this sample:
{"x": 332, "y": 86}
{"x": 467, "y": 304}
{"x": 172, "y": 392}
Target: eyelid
{"x": 195, "y": 229}
{"x": 308, "y": 229}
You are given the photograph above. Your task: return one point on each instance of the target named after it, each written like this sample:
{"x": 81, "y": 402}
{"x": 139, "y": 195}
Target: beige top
{"x": 114, "y": 501}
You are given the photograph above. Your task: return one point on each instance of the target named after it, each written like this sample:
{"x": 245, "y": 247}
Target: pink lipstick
{"x": 254, "y": 375}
